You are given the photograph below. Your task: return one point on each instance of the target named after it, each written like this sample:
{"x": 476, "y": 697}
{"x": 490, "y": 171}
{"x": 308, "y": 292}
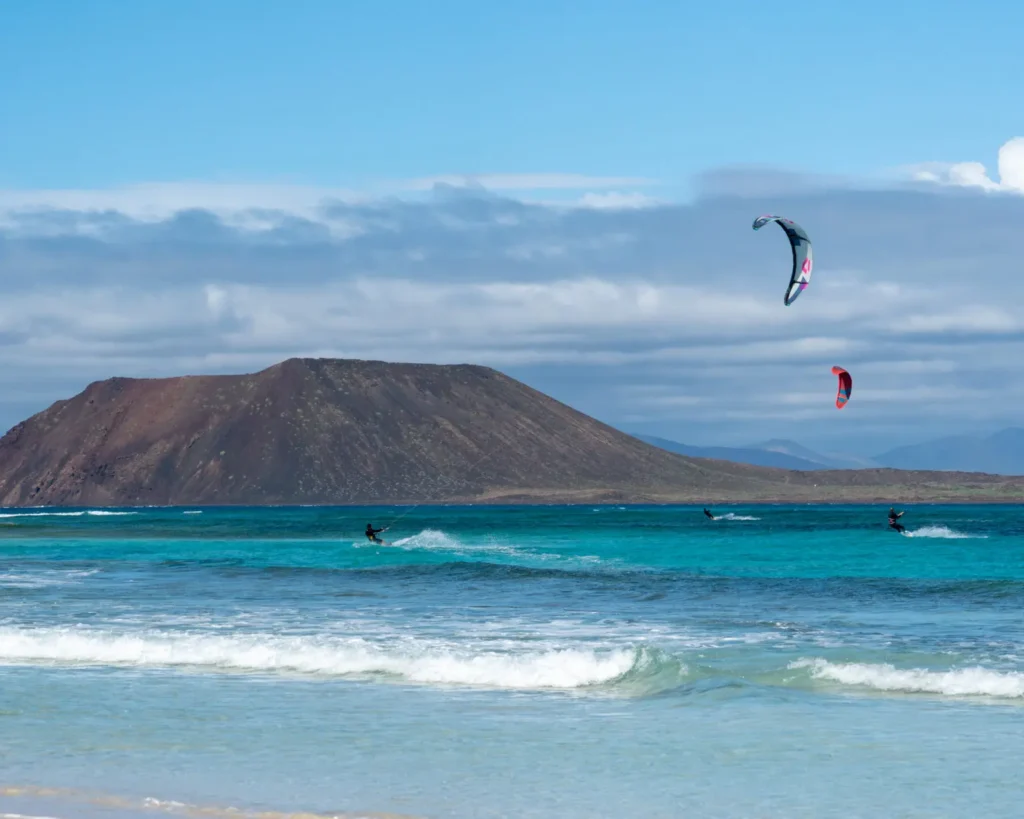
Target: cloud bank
{"x": 658, "y": 317}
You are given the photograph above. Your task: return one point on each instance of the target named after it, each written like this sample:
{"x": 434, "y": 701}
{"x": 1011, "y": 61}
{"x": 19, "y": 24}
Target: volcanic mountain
{"x": 329, "y": 431}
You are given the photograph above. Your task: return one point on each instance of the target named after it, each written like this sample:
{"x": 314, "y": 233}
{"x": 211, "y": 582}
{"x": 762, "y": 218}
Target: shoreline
{"x": 50, "y": 802}
{"x": 502, "y": 502}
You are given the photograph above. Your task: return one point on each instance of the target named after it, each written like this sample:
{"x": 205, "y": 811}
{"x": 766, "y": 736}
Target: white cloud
{"x": 261, "y": 207}
{"x": 528, "y": 181}
{"x": 216, "y": 299}
{"x": 616, "y": 200}
{"x": 1010, "y": 166}
{"x": 161, "y": 200}
{"x": 976, "y": 318}
{"x": 584, "y": 321}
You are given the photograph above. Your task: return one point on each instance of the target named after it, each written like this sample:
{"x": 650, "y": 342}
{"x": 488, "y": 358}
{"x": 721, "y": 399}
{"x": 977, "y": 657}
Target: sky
{"x": 562, "y": 191}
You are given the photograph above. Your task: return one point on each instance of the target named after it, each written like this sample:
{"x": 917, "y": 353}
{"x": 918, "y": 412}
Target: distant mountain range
{"x": 999, "y": 454}
{"x": 827, "y": 460}
{"x": 776, "y": 452}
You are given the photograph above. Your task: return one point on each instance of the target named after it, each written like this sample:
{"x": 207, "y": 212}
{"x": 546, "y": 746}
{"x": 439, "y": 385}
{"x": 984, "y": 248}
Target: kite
{"x": 800, "y": 244}
{"x": 845, "y": 386}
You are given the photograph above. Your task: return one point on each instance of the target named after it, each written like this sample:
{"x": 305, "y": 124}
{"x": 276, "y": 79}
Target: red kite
{"x": 845, "y": 386}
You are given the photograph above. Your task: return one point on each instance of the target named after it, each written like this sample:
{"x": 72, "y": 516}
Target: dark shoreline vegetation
{"x": 333, "y": 432}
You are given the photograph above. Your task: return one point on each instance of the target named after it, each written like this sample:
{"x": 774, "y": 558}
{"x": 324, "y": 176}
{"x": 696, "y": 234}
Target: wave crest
{"x": 974, "y": 681}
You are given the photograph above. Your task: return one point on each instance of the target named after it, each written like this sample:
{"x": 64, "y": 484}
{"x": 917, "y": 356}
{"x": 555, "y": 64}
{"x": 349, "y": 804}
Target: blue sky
{"x": 562, "y": 191}
{"x": 351, "y": 93}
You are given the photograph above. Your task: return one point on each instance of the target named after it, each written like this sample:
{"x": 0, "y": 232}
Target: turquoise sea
{"x": 598, "y": 661}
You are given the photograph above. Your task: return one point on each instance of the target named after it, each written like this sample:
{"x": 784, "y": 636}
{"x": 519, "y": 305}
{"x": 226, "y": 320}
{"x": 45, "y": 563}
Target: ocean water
{"x": 598, "y": 661}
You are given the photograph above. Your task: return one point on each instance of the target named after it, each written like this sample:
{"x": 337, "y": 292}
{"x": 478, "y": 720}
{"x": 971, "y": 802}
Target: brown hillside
{"x": 322, "y": 431}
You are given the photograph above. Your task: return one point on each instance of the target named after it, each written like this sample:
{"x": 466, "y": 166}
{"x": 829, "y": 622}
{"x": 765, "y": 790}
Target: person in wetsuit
{"x": 894, "y": 517}
{"x": 710, "y": 516}
{"x": 371, "y": 533}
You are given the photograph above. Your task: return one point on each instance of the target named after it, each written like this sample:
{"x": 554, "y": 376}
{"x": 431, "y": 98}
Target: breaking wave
{"x": 627, "y": 670}
{"x": 630, "y": 671}
{"x": 963, "y": 682}
{"x": 731, "y": 516}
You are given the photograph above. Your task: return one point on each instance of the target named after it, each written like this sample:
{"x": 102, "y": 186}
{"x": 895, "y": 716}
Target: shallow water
{"x": 520, "y": 661}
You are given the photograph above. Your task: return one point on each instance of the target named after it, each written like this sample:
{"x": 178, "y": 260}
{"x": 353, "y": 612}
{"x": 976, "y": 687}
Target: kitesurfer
{"x": 710, "y": 516}
{"x": 371, "y": 533}
{"x": 894, "y": 517}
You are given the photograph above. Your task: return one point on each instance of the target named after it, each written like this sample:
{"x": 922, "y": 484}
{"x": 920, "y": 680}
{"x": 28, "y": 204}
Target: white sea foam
{"x": 409, "y": 659}
{"x": 436, "y": 540}
{"x": 732, "y": 516}
{"x": 76, "y": 514}
{"x": 41, "y": 514}
{"x": 974, "y": 681}
{"x": 941, "y": 532}
{"x": 428, "y": 539}
{"x": 29, "y": 579}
